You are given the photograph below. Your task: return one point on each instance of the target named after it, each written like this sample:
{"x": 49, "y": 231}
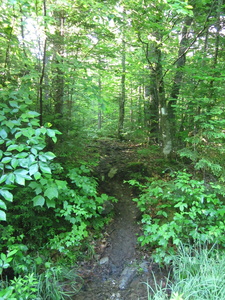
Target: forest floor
{"x": 121, "y": 269}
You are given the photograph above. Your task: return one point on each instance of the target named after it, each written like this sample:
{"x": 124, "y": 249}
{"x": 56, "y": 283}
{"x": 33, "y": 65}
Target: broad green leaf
{"x": 21, "y": 155}
{"x": 44, "y": 167}
{"x": 51, "y": 192}
{"x": 2, "y": 205}
{"x": 10, "y": 124}
{"x": 3, "y": 257}
{"x": 14, "y": 104}
{"x": 42, "y": 157}
{"x": 18, "y": 134}
{"x": 20, "y": 179}
{"x": 33, "y": 169}
{"x": 24, "y": 163}
{"x": 32, "y": 114}
{"x": 2, "y": 118}
{"x": 34, "y": 151}
{"x": 2, "y": 215}
{"x": 6, "y": 160}
{"x": 3, "y": 178}
{"x": 39, "y": 131}
{"x": 21, "y": 147}
{"x": 61, "y": 184}
{"x": 39, "y": 147}
{"x": 12, "y": 147}
{"x": 11, "y": 253}
{"x": 31, "y": 159}
{"x": 37, "y": 175}
{"x": 36, "y": 186}
{"x": 28, "y": 132}
{"x": 14, "y": 163}
{"x": 51, "y": 133}
{"x": 21, "y": 172}
{"x": 34, "y": 122}
{"x": 3, "y": 134}
{"x": 49, "y": 155}
{"x": 39, "y": 200}
{"x": 50, "y": 203}
{"x": 7, "y": 195}
{"x": 10, "y": 178}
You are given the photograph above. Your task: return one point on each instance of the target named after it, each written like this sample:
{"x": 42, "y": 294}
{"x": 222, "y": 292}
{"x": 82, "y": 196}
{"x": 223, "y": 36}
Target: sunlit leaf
{"x": 33, "y": 169}
{"x": 3, "y": 134}
{"x": 44, "y": 167}
{"x": 7, "y": 195}
{"x": 50, "y": 203}
{"x": 51, "y": 192}
{"x": 2, "y": 215}
{"x": 2, "y": 205}
{"x": 39, "y": 200}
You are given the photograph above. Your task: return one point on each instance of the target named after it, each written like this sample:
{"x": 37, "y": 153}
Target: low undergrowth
{"x": 198, "y": 274}
{"x": 178, "y": 210}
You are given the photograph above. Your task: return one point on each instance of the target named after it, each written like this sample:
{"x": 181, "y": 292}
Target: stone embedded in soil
{"x": 115, "y": 296}
{"x": 126, "y": 277}
{"x": 104, "y": 260}
{"x": 144, "y": 266}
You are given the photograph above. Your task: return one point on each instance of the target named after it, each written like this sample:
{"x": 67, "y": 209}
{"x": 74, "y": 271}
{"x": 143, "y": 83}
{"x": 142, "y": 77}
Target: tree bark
{"x": 177, "y": 81}
{"x": 123, "y": 92}
{"x": 58, "y": 82}
{"x": 99, "y": 104}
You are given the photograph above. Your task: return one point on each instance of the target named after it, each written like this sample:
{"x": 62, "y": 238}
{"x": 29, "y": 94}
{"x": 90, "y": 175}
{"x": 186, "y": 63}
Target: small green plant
{"x": 57, "y": 283}
{"x": 25, "y": 288}
{"x": 182, "y": 209}
{"x": 197, "y": 274}
{"x": 5, "y": 260}
{"x": 7, "y": 294}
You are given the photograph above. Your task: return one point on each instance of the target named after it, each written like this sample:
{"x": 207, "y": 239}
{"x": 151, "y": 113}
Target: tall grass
{"x": 198, "y": 274}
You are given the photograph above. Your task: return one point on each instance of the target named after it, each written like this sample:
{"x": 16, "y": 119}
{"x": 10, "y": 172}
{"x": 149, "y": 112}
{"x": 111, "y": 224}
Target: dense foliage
{"x": 72, "y": 71}
{"x": 179, "y": 211}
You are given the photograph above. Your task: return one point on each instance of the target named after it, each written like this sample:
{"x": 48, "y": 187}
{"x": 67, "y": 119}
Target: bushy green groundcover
{"x": 198, "y": 273}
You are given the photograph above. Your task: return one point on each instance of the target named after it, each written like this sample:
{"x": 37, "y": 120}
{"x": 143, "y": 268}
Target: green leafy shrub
{"x": 180, "y": 210}
{"x": 81, "y": 207}
{"x": 22, "y": 144}
{"x": 25, "y": 287}
{"x": 205, "y": 145}
{"x": 38, "y": 279}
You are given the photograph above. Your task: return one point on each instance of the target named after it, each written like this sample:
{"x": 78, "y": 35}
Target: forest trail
{"x": 121, "y": 269}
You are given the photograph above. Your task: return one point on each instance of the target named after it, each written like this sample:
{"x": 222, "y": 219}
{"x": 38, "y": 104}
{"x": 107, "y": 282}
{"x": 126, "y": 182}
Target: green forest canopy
{"x": 125, "y": 68}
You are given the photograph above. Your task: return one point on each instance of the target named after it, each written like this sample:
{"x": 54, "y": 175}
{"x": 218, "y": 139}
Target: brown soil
{"x": 119, "y": 247}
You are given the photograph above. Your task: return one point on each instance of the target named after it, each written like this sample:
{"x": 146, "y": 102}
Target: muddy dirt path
{"x": 122, "y": 269}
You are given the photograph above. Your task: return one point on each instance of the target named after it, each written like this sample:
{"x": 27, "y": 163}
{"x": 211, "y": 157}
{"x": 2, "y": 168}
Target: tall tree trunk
{"x": 99, "y": 104}
{"x": 123, "y": 92}
{"x": 177, "y": 81}
{"x": 41, "y": 83}
{"x": 42, "y": 71}
{"x": 217, "y": 43}
{"x": 164, "y": 122}
{"x": 58, "y": 82}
